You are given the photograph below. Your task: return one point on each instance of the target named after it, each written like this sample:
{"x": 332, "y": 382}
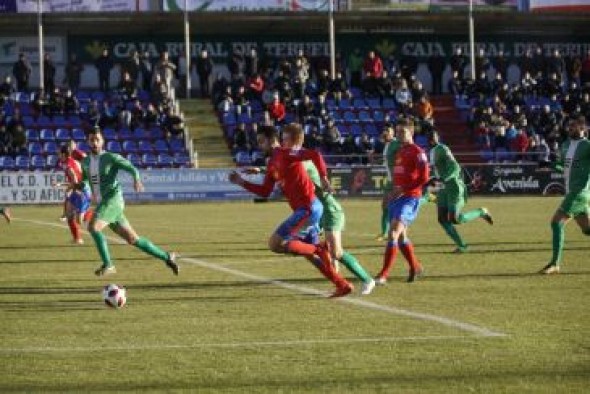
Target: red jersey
{"x": 410, "y": 170}
{"x": 285, "y": 168}
{"x": 73, "y": 170}
{"x": 78, "y": 154}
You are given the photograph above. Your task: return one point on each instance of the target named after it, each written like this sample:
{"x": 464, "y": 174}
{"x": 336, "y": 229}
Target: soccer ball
{"x": 114, "y": 296}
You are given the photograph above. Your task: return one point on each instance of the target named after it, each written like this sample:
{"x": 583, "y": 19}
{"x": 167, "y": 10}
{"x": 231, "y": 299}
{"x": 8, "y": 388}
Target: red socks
{"x": 74, "y": 228}
{"x": 388, "y": 260}
{"x": 300, "y": 248}
{"x": 327, "y": 269}
{"x": 407, "y": 250}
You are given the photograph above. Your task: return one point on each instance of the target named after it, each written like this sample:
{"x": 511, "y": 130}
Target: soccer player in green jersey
{"x": 99, "y": 170}
{"x": 332, "y": 223}
{"x": 6, "y": 213}
{"x": 574, "y": 161}
{"x": 391, "y": 147}
{"x": 452, "y": 195}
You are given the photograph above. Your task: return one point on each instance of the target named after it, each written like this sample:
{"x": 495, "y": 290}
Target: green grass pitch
{"x": 479, "y": 322}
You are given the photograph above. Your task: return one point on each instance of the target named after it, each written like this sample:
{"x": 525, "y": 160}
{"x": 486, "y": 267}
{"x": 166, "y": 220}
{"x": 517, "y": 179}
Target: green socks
{"x": 148, "y": 247}
{"x": 103, "y": 248}
{"x": 1, "y": 210}
{"x": 470, "y": 215}
{"x": 384, "y": 221}
{"x": 355, "y": 267}
{"x": 558, "y": 236}
{"x": 453, "y": 233}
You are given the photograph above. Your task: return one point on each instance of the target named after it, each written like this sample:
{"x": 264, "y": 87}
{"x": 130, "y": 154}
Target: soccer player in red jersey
{"x": 285, "y": 168}
{"x": 76, "y": 154}
{"x": 410, "y": 174}
{"x": 78, "y": 196}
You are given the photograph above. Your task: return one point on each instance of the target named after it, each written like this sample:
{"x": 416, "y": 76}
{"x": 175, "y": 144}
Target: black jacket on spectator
{"x": 436, "y": 66}
{"x": 49, "y": 74}
{"x": 204, "y": 70}
{"x": 22, "y": 73}
{"x": 104, "y": 64}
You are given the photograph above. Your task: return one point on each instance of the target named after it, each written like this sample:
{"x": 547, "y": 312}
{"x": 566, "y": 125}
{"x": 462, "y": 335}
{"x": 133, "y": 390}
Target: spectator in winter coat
{"x": 204, "y": 70}
{"x": 147, "y": 71}
{"x": 73, "y": 73}
{"x": 251, "y": 63}
{"x": 500, "y": 64}
{"x": 166, "y": 70}
{"x": 104, "y": 64}
{"x": 48, "y": 73}
{"x": 519, "y": 145}
{"x": 22, "y": 73}
{"x": 458, "y": 62}
{"x": 277, "y": 111}
{"x": 436, "y": 66}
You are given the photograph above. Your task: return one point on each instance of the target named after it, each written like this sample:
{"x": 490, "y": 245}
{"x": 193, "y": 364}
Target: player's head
{"x": 293, "y": 135}
{"x": 583, "y": 126}
{"x": 65, "y": 152}
{"x": 404, "y": 131}
{"x": 576, "y": 128}
{"x": 267, "y": 138}
{"x": 388, "y": 134}
{"x": 433, "y": 138}
{"x": 95, "y": 140}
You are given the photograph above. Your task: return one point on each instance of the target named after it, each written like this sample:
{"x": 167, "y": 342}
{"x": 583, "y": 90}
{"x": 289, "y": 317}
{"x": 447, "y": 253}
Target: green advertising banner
{"x": 421, "y": 46}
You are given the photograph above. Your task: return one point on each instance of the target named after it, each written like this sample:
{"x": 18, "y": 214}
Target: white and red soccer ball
{"x": 114, "y": 296}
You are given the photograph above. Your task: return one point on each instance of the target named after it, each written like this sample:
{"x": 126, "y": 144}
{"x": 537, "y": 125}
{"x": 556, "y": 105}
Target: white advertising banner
{"x": 559, "y": 5}
{"x": 11, "y": 47}
{"x": 247, "y": 5}
{"x": 30, "y": 188}
{"x": 83, "y": 5}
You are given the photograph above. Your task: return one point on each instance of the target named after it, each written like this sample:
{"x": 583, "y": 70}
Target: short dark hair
{"x": 66, "y": 150}
{"x": 94, "y": 130}
{"x": 269, "y": 132}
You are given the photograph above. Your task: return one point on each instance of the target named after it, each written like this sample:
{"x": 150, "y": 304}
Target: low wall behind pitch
{"x": 170, "y": 185}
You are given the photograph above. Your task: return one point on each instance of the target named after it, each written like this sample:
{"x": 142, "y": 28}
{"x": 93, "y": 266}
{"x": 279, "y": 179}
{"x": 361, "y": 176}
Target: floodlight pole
{"x": 41, "y": 49}
{"x": 187, "y": 50}
{"x": 332, "y": 39}
{"x": 472, "y": 41}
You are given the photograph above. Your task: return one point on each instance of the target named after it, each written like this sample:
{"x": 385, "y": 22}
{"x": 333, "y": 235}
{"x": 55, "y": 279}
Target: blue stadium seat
{"x": 75, "y": 121}
{"x": 28, "y": 121}
{"x": 149, "y": 160}
{"x": 345, "y": 104}
{"x": 165, "y": 160}
{"x": 156, "y": 133}
{"x": 228, "y": 119}
{"x": 78, "y": 135}
{"x": 176, "y": 145}
{"x": 35, "y": 148}
{"x": 32, "y": 135}
{"x": 114, "y": 146}
{"x": 98, "y": 96}
{"x": 130, "y": 146}
{"x": 374, "y": 103}
{"x": 60, "y": 121}
{"x": 371, "y": 129}
{"x": 22, "y": 163}
{"x": 47, "y": 135}
{"x": 365, "y": 117}
{"x": 141, "y": 134}
{"x": 63, "y": 135}
{"x": 6, "y": 163}
{"x": 109, "y": 134}
{"x": 356, "y": 129}
{"x": 243, "y": 158}
{"x": 182, "y": 159}
{"x": 135, "y": 159}
{"x": 44, "y": 122}
{"x": 52, "y": 161}
{"x": 389, "y": 104}
{"x": 38, "y": 162}
{"x": 125, "y": 134}
{"x": 50, "y": 148}
{"x": 349, "y": 117}
{"x": 160, "y": 146}
{"x": 83, "y": 146}
{"x": 378, "y": 116}
{"x": 359, "y": 103}
{"x": 145, "y": 146}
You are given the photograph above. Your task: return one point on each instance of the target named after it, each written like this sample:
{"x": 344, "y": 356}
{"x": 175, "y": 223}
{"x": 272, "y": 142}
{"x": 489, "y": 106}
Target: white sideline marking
{"x": 294, "y": 343}
{"x": 462, "y": 326}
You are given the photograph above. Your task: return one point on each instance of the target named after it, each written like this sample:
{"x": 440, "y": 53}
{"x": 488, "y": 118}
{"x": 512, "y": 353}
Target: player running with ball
{"x": 100, "y": 169}
{"x": 451, "y": 197}
{"x": 410, "y": 174}
{"x": 285, "y": 168}
{"x": 574, "y": 161}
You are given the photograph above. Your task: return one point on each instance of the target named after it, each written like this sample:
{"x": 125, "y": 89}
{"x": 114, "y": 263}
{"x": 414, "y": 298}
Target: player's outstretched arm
{"x": 123, "y": 164}
{"x": 263, "y": 190}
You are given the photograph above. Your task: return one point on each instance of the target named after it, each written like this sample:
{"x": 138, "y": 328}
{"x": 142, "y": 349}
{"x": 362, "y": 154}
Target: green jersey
{"x": 389, "y": 156}
{"x": 100, "y": 172}
{"x": 444, "y": 163}
{"x": 333, "y": 216}
{"x": 574, "y": 161}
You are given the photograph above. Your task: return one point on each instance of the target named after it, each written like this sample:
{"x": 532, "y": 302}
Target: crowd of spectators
{"x": 263, "y": 91}
{"x": 144, "y": 97}
{"x": 525, "y": 121}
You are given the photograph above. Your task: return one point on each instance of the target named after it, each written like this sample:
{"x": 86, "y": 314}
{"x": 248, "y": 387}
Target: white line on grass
{"x": 462, "y": 326}
{"x": 293, "y": 343}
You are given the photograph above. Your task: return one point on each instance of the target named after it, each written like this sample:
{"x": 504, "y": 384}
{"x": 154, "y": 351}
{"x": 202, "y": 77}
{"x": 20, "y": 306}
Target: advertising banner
{"x": 11, "y": 47}
{"x": 512, "y": 179}
{"x": 31, "y": 6}
{"x": 422, "y": 46}
{"x": 247, "y": 5}
{"x": 560, "y": 5}
{"x": 478, "y": 5}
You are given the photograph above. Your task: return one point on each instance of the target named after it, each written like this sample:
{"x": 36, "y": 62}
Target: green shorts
{"x": 110, "y": 210}
{"x": 333, "y": 218}
{"x": 575, "y": 204}
{"x": 452, "y": 196}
